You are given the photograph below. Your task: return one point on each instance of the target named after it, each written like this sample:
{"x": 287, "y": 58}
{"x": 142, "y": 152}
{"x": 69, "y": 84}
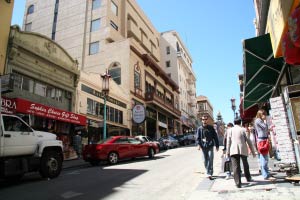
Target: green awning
{"x": 261, "y": 70}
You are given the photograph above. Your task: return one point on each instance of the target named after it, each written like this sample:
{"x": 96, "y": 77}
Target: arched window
{"x": 115, "y": 71}
{"x": 30, "y": 9}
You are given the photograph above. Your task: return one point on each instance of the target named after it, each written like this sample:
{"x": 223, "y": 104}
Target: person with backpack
{"x": 207, "y": 139}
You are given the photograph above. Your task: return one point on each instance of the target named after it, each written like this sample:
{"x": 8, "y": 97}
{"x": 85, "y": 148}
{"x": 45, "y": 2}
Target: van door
{"x": 19, "y": 138}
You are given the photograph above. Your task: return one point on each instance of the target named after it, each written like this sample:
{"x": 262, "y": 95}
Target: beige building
{"x": 177, "y": 63}
{"x": 205, "y": 108}
{"x": 114, "y": 35}
{"x": 43, "y": 90}
{"x": 6, "y": 8}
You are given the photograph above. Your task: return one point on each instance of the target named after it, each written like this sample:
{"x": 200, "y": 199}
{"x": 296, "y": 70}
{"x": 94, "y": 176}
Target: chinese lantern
{"x": 290, "y": 52}
{"x": 294, "y": 26}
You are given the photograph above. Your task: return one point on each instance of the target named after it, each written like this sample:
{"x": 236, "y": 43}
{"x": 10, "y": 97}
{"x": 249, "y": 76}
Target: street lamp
{"x": 233, "y": 106}
{"x": 105, "y": 90}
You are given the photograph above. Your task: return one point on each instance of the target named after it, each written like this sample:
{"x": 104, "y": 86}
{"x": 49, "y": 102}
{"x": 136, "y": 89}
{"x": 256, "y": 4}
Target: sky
{"x": 212, "y": 31}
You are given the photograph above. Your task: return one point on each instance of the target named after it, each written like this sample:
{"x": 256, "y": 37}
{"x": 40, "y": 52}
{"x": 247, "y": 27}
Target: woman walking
{"x": 261, "y": 129}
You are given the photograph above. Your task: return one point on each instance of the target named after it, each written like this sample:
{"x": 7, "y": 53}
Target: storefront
{"x": 272, "y": 81}
{"x": 44, "y": 118}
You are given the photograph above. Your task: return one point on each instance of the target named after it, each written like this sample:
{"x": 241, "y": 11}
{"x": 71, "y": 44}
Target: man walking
{"x": 207, "y": 139}
{"x": 237, "y": 149}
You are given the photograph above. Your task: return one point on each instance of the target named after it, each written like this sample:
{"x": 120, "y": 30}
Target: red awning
{"x": 18, "y": 105}
{"x": 249, "y": 114}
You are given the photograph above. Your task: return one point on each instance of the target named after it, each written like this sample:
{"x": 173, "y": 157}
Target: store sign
{"x": 8, "y": 106}
{"x": 138, "y": 114}
{"x": 162, "y": 124}
{"x": 279, "y": 12}
{"x": 25, "y": 106}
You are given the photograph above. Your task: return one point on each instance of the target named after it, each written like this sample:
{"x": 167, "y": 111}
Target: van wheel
{"x": 51, "y": 164}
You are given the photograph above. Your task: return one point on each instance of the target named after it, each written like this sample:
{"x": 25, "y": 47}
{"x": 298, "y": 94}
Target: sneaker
{"x": 227, "y": 177}
{"x": 270, "y": 178}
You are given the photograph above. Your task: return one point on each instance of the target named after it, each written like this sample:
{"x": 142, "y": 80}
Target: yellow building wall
{"x": 5, "y": 21}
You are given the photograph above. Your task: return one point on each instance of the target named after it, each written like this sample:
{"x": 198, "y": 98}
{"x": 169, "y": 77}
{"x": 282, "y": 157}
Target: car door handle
{"x": 7, "y": 135}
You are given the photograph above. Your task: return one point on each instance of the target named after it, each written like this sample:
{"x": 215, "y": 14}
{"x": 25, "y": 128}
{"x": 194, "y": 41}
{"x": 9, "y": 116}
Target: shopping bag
{"x": 227, "y": 165}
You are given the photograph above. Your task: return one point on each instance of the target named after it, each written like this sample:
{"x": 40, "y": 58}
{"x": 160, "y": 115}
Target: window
{"x": 28, "y": 26}
{"x": 114, "y": 25}
{"x": 40, "y": 89}
{"x": 15, "y": 124}
{"x": 168, "y": 49}
{"x": 168, "y": 63}
{"x": 137, "y": 80}
{"x": 177, "y": 47}
{"x": 115, "y": 72}
{"x": 96, "y": 4}
{"x": 95, "y": 25}
{"x": 94, "y": 48}
{"x": 30, "y": 9}
{"x": 114, "y": 8}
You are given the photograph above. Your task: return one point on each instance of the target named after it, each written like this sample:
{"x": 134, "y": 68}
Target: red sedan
{"x": 116, "y": 148}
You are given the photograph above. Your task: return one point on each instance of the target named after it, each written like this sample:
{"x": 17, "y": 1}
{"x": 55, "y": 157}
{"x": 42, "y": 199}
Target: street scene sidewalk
{"x": 220, "y": 188}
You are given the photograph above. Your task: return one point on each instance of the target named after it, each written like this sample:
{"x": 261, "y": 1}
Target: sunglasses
{"x": 204, "y": 119}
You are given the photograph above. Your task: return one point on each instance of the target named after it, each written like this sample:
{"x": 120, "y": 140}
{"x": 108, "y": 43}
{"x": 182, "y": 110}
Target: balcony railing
{"x": 154, "y": 98}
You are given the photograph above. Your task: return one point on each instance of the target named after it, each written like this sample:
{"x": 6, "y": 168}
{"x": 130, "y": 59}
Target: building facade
{"x": 117, "y": 36}
{"x": 273, "y": 83}
{"x": 43, "y": 87}
{"x": 204, "y": 108}
{"x": 6, "y": 8}
{"x": 177, "y": 63}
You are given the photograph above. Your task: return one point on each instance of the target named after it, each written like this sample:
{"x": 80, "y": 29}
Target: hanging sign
{"x": 138, "y": 114}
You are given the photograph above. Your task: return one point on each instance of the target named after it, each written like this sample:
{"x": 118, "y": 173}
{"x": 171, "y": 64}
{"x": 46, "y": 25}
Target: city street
{"x": 172, "y": 174}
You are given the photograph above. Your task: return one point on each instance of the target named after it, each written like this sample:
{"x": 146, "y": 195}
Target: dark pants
{"x": 236, "y": 167}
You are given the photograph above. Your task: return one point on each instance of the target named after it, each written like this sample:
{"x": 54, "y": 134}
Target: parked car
{"x": 182, "y": 139}
{"x": 145, "y": 138}
{"x": 191, "y": 137}
{"x": 169, "y": 141}
{"x": 117, "y": 148}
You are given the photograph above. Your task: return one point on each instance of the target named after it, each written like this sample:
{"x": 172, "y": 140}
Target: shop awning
{"x": 261, "y": 70}
{"x": 17, "y": 105}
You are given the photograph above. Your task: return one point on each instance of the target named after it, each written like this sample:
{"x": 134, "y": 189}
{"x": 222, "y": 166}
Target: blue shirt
{"x": 261, "y": 129}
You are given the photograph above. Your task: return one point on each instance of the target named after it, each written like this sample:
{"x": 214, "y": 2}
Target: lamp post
{"x": 105, "y": 90}
{"x": 233, "y": 106}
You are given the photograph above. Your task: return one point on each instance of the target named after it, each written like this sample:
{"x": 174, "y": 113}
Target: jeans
{"x": 264, "y": 160}
{"x": 208, "y": 156}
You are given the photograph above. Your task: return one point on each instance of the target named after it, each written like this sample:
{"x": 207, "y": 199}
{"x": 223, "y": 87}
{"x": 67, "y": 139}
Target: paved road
{"x": 173, "y": 174}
